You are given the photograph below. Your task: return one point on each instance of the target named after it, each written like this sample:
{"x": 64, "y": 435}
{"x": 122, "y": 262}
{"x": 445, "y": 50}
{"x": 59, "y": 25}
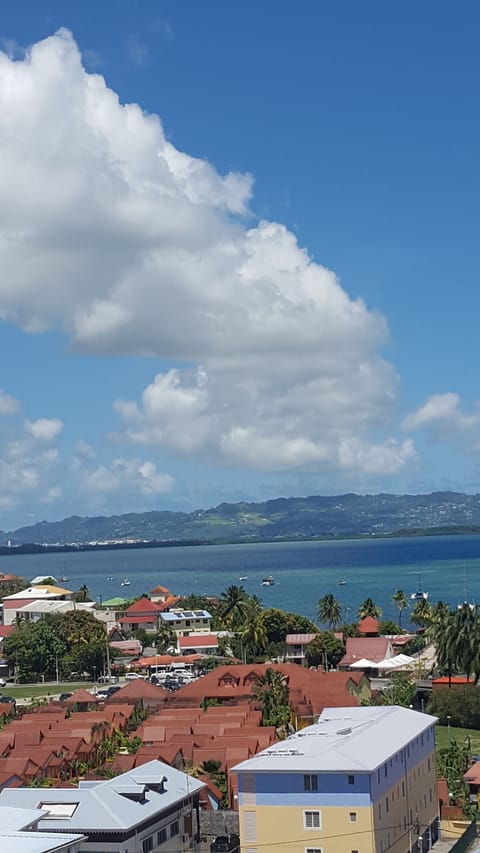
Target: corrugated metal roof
{"x": 344, "y": 740}
{"x": 100, "y": 807}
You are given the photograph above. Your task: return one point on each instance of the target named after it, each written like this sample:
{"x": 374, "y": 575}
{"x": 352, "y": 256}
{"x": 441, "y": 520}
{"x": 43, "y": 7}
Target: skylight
{"x": 58, "y": 811}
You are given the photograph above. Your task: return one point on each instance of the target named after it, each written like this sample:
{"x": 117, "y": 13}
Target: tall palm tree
{"x": 330, "y": 611}
{"x": 369, "y": 608}
{"x": 232, "y": 605}
{"x": 253, "y": 633}
{"x": 400, "y": 600}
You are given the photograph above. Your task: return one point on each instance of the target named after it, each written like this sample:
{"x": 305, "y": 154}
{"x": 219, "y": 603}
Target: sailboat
{"x": 125, "y": 582}
{"x": 419, "y": 594}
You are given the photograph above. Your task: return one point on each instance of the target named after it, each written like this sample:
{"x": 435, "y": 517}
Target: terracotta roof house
{"x": 309, "y": 690}
{"x": 139, "y": 692}
{"x": 142, "y": 614}
{"x": 202, "y": 644}
{"x": 162, "y": 595}
{"x": 370, "y": 648}
{"x": 454, "y": 681}
{"x": 368, "y": 627}
{"x": 82, "y": 699}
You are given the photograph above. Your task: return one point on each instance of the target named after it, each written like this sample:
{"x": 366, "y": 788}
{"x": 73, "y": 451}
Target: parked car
{"x": 132, "y": 676}
{"x": 225, "y": 844}
{"x": 113, "y": 689}
{"x": 8, "y": 699}
{"x": 3, "y": 683}
{"x": 108, "y": 679}
{"x": 64, "y": 696}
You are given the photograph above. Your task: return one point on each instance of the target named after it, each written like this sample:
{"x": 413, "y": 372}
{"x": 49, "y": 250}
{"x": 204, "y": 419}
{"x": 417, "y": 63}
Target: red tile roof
{"x": 81, "y": 697}
{"x": 198, "y": 641}
{"x": 372, "y": 648}
{"x": 368, "y": 625}
{"x": 160, "y": 590}
{"x": 143, "y": 605}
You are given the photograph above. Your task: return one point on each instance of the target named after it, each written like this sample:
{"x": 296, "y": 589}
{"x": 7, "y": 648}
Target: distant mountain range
{"x": 282, "y": 518}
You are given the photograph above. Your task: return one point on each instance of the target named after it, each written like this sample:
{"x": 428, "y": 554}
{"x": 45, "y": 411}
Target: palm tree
{"x": 232, "y": 605}
{"x": 422, "y": 612}
{"x": 400, "y": 600}
{"x": 253, "y": 633}
{"x": 369, "y": 608}
{"x": 330, "y": 611}
{"x": 271, "y": 691}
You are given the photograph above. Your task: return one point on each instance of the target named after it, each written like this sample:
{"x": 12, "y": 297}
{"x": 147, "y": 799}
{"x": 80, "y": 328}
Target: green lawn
{"x": 442, "y": 737}
{"x": 24, "y": 692}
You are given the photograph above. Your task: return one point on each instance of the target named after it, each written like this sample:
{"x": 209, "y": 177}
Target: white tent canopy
{"x": 363, "y": 663}
{"x": 396, "y": 662}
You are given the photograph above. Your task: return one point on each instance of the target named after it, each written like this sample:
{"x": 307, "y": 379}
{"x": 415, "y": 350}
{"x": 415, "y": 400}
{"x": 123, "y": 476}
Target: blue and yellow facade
{"x": 291, "y": 801}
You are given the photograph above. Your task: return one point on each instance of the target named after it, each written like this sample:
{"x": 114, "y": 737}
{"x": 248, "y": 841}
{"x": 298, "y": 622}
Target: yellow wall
{"x": 338, "y": 834}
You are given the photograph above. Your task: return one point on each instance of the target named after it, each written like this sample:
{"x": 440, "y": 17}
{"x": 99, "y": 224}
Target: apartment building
{"x": 360, "y": 780}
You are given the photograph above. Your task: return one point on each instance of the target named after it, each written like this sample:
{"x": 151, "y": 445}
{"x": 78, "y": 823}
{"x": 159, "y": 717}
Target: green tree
{"x": 421, "y": 612}
{"x": 388, "y": 627}
{"x": 253, "y": 634}
{"x": 401, "y": 691}
{"x": 271, "y": 692}
{"x": 401, "y": 603}
{"x": 165, "y": 638}
{"x": 329, "y": 611}
{"x": 324, "y": 649}
{"x": 34, "y": 649}
{"x": 369, "y": 608}
{"x": 232, "y": 606}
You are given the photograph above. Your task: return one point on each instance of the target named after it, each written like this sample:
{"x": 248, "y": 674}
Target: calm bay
{"x": 449, "y": 568}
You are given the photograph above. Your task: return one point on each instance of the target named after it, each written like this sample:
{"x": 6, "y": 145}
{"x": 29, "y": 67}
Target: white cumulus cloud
{"x": 141, "y": 477}
{"x": 8, "y": 404}
{"x": 132, "y": 246}
{"x": 44, "y": 429}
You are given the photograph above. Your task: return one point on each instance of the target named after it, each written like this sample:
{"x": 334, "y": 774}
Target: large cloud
{"x": 131, "y": 246}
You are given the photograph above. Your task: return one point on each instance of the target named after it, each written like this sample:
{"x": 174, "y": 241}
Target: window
{"x": 312, "y": 820}
{"x": 351, "y": 780}
{"x": 428, "y": 762}
{"x": 403, "y": 789}
{"x": 310, "y": 783}
{"x": 352, "y": 817}
{"x": 147, "y": 844}
{"x": 430, "y": 795}
{"x": 380, "y": 811}
{"x": 174, "y": 828}
{"x": 313, "y": 850}
{"x": 162, "y": 836}
{"x": 386, "y": 770}
{"x": 378, "y": 775}
{"x": 387, "y": 809}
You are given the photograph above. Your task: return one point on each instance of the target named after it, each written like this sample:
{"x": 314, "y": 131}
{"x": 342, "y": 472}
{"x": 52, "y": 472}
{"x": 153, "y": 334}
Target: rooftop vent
{"x": 344, "y": 731}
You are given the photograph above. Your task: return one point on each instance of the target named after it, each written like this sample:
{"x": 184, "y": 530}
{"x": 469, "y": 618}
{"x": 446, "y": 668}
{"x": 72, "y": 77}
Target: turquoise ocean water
{"x": 303, "y": 571}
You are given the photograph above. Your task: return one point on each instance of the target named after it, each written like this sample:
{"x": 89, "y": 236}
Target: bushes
{"x": 461, "y": 704}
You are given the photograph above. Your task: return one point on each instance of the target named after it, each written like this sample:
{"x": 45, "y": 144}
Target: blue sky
{"x": 270, "y": 289}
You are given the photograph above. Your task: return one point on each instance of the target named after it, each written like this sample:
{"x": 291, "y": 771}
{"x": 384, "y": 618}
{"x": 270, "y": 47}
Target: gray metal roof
{"x": 14, "y": 838}
{"x": 105, "y": 806}
{"x": 351, "y": 740}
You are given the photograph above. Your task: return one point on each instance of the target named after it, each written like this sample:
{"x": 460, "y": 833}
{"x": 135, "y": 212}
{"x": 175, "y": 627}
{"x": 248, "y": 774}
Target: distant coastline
{"x": 38, "y": 548}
